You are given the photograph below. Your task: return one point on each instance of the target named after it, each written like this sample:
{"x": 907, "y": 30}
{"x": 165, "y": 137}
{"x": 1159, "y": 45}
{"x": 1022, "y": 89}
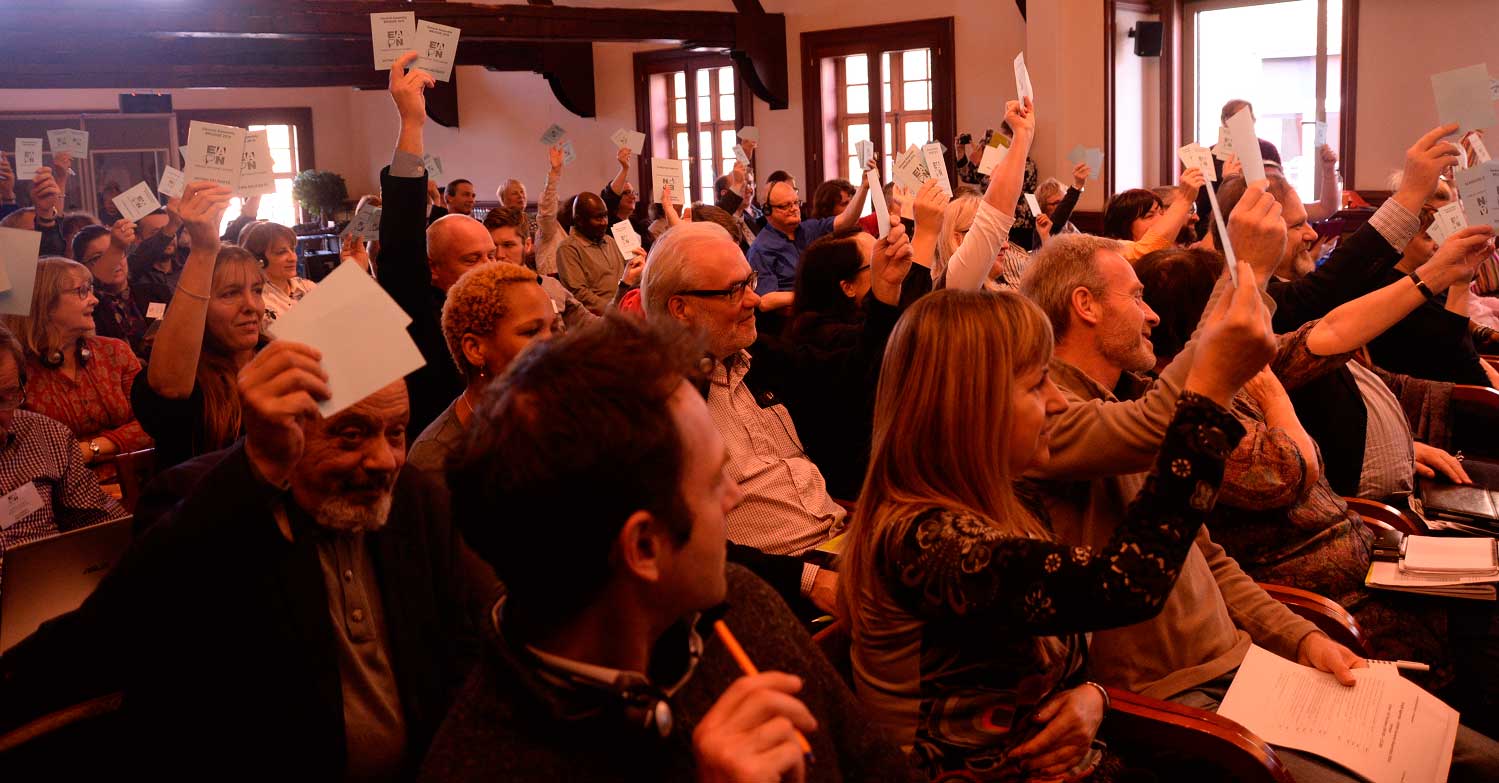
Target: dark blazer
{"x": 402, "y": 270}
{"x": 1360, "y": 264}
{"x": 217, "y": 629}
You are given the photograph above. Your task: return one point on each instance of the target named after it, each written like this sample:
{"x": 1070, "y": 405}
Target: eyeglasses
{"x": 861, "y": 270}
{"x": 11, "y": 399}
{"x": 733, "y": 294}
{"x": 786, "y": 206}
{"x": 83, "y": 291}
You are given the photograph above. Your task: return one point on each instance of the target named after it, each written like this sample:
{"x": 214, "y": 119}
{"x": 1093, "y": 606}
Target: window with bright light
{"x": 906, "y": 82}
{"x": 1267, "y": 54}
{"x": 278, "y": 207}
{"x": 715, "y": 127}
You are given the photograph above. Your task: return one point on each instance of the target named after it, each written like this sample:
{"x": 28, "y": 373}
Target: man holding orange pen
{"x": 602, "y": 661}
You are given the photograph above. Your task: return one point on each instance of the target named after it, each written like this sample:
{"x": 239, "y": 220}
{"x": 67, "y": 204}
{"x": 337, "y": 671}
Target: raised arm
{"x": 1331, "y": 199}
{"x": 173, "y": 370}
{"x": 986, "y": 239}
{"x": 1163, "y": 234}
{"x": 930, "y": 202}
{"x": 849, "y": 217}
{"x": 402, "y": 269}
{"x": 1063, "y": 212}
{"x": 617, "y": 185}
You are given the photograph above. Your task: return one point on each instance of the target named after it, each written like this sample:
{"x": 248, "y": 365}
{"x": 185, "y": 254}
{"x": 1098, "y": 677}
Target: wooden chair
{"x": 135, "y": 469}
{"x": 1475, "y": 419}
{"x": 1376, "y": 514}
{"x": 78, "y": 741}
{"x": 1328, "y": 615}
{"x": 1491, "y": 359}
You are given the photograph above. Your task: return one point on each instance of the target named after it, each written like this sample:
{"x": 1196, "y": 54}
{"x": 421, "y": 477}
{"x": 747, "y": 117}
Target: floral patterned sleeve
{"x": 1295, "y": 364}
{"x": 943, "y": 565}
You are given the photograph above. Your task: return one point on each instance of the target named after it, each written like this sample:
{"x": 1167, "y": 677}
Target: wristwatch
{"x": 1422, "y": 286}
{"x": 93, "y": 445}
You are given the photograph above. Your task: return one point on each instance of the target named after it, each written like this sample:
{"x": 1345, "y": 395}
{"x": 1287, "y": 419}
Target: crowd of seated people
{"x": 1018, "y": 466}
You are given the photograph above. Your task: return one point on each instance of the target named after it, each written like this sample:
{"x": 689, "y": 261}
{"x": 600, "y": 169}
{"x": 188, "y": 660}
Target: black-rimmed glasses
{"x": 734, "y": 293}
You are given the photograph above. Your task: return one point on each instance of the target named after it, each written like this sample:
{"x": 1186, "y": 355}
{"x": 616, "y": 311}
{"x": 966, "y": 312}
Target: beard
{"x": 1128, "y": 351}
{"x": 345, "y": 516}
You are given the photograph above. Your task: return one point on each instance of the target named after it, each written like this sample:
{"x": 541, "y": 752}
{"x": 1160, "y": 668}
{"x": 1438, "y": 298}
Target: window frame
{"x": 659, "y": 130}
{"x": 823, "y": 116}
{"x": 896, "y": 114}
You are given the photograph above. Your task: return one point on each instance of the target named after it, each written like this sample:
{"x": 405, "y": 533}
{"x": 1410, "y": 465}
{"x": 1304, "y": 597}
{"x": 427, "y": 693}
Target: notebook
{"x": 51, "y": 576}
{"x": 1474, "y": 504}
{"x": 1450, "y": 556}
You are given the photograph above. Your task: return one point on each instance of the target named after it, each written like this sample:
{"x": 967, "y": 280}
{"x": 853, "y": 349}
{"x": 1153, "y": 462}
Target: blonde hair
{"x": 217, "y": 372}
{"x": 940, "y": 428}
{"x": 957, "y": 214}
{"x": 34, "y": 331}
{"x": 476, "y": 303}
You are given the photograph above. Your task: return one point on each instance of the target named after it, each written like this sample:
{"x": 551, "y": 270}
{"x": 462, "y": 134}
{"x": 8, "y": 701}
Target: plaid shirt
{"x": 786, "y": 508}
{"x": 42, "y": 451}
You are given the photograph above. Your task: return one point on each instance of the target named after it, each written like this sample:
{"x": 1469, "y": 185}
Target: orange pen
{"x": 749, "y": 669}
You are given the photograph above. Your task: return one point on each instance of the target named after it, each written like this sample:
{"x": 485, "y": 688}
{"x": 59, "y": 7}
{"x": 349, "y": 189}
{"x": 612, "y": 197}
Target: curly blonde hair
{"x": 477, "y": 302}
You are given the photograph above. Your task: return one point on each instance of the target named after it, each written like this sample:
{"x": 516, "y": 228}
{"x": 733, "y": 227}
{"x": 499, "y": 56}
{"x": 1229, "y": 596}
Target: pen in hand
{"x": 748, "y": 667}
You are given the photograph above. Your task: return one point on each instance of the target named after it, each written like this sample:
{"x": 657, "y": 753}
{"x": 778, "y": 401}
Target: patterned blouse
{"x": 278, "y": 301}
{"x": 96, "y": 403}
{"x": 969, "y": 628}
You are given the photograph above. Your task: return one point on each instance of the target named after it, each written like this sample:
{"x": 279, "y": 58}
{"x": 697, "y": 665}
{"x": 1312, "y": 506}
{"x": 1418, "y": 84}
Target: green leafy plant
{"x": 319, "y": 192}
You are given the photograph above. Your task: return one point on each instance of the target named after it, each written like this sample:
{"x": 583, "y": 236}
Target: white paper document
{"x": 360, "y": 331}
{"x": 1319, "y": 137}
{"x": 740, "y": 155}
{"x": 371, "y": 230}
{"x": 750, "y": 133}
{"x": 1385, "y": 729}
{"x": 28, "y": 158}
{"x": 1032, "y": 204}
{"x": 213, "y": 153}
{"x": 553, "y": 134}
{"x": 433, "y": 165}
{"x": 1480, "y": 151}
{"x": 1196, "y": 156}
{"x": 881, "y": 209}
{"x": 993, "y": 154}
{"x": 937, "y": 165}
{"x": 1246, "y": 145}
{"x": 1023, "y": 79}
{"x": 626, "y": 237}
{"x": 1448, "y": 221}
{"x": 1225, "y": 146}
{"x": 73, "y": 142}
{"x": 568, "y": 153}
{"x": 256, "y": 177}
{"x": 1463, "y": 97}
{"x": 137, "y": 202}
{"x": 393, "y": 34}
{"x": 437, "y": 49}
{"x": 19, "y": 250}
{"x": 1385, "y": 575}
{"x": 911, "y": 170}
{"x": 635, "y": 140}
{"x": 1478, "y": 189}
{"x": 667, "y": 173}
{"x": 865, "y": 151}
{"x": 172, "y": 183}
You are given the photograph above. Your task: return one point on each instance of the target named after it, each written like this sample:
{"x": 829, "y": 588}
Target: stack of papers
{"x": 1384, "y": 575}
{"x": 1450, "y": 556}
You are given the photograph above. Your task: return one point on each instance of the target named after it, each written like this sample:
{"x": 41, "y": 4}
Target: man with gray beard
{"x": 304, "y": 613}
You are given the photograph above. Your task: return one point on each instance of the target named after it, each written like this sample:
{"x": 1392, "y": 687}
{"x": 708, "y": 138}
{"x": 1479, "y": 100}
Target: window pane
{"x": 726, "y": 81}
{"x": 856, "y": 134}
{"x": 890, "y": 143}
{"x": 858, "y": 99}
{"x": 889, "y": 167}
{"x": 705, "y": 147}
{"x": 726, "y": 144}
{"x": 856, "y": 69}
{"x": 705, "y": 173}
{"x": 726, "y": 108}
{"x": 681, "y": 111}
{"x": 679, "y": 83}
{"x": 884, "y": 66}
{"x": 279, "y": 135}
{"x": 726, "y": 166}
{"x": 281, "y": 161}
{"x": 913, "y": 64}
{"x": 850, "y": 166}
{"x": 918, "y": 133}
{"x": 704, "y": 78}
{"x": 888, "y": 106}
{"x": 681, "y": 147}
{"x": 704, "y": 109}
{"x": 917, "y": 96}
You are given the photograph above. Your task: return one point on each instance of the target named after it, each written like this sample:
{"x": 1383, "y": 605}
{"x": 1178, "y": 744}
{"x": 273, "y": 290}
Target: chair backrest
{"x": 1192, "y": 733}
{"x": 135, "y": 469}
{"x": 1475, "y": 419}
{"x": 1386, "y": 515}
{"x": 1328, "y": 615}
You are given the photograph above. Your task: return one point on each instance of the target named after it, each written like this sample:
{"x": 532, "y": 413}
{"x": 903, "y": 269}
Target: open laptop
{"x": 1476, "y": 504}
{"x": 51, "y": 576}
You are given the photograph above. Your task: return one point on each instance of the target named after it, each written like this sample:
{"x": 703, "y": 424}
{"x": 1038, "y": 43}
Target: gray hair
{"x": 669, "y": 266}
{"x": 1062, "y": 266}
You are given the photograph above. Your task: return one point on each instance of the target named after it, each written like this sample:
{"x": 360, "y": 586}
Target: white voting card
{"x": 1480, "y": 151}
{"x": 1196, "y": 156}
{"x": 1319, "y": 136}
{"x": 1023, "y": 79}
{"x": 256, "y": 177}
{"x": 740, "y": 155}
{"x": 937, "y": 165}
{"x": 881, "y": 209}
{"x": 1448, "y": 221}
{"x": 1033, "y": 204}
{"x": 911, "y": 169}
{"x": 553, "y": 135}
{"x": 360, "y": 331}
{"x": 568, "y": 153}
{"x": 667, "y": 173}
{"x": 1225, "y": 146}
{"x": 19, "y": 250}
{"x": 19, "y": 503}
{"x": 1478, "y": 188}
{"x": 626, "y": 237}
{"x": 1093, "y": 156}
{"x": 156, "y": 310}
{"x": 1463, "y": 97}
{"x": 73, "y": 142}
{"x": 865, "y": 150}
{"x": 750, "y": 133}
{"x": 28, "y": 158}
{"x": 993, "y": 154}
{"x": 137, "y": 202}
{"x": 172, "y": 183}
{"x": 1246, "y": 145}
{"x": 393, "y": 34}
{"x": 433, "y": 165}
{"x": 624, "y": 137}
{"x": 213, "y": 153}
{"x": 437, "y": 48}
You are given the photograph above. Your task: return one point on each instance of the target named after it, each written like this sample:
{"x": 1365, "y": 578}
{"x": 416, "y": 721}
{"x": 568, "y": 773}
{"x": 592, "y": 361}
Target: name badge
{"x": 156, "y": 310}
{"x": 20, "y": 503}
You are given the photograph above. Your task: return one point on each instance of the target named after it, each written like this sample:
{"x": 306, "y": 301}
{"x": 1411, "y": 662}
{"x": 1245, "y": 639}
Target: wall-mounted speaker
{"x": 145, "y": 103}
{"x": 1147, "y": 37}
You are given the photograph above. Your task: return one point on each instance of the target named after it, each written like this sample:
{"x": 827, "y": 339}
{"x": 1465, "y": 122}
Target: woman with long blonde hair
{"x": 967, "y": 615}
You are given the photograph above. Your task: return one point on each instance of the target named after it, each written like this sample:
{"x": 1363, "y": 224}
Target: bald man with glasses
{"x": 777, "y": 250}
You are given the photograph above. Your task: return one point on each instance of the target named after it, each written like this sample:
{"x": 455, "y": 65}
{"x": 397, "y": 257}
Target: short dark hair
{"x": 825, "y": 198}
{"x": 84, "y": 236}
{"x": 502, "y": 217}
{"x": 455, "y": 183}
{"x": 1124, "y": 209}
{"x": 575, "y": 438}
{"x": 825, "y": 263}
{"x": 721, "y": 185}
{"x": 1178, "y": 283}
{"x": 1232, "y": 189}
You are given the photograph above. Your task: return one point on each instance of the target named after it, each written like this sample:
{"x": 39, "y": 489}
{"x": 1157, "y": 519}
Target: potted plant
{"x": 319, "y": 192}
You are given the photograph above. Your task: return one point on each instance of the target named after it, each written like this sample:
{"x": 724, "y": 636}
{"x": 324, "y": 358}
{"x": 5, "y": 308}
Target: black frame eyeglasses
{"x": 733, "y": 293}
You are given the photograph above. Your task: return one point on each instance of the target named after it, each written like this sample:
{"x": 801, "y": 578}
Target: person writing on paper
{"x": 975, "y": 246}
{"x": 102, "y": 251}
{"x": 73, "y": 376}
{"x": 511, "y": 230}
{"x": 620, "y": 199}
{"x": 331, "y": 605}
{"x": 46, "y": 485}
{"x": 613, "y": 671}
{"x": 589, "y": 262}
{"x": 777, "y": 249}
{"x": 492, "y": 314}
{"x": 1144, "y": 224}
{"x": 275, "y": 246}
{"x": 186, "y": 398}
{"x": 967, "y": 615}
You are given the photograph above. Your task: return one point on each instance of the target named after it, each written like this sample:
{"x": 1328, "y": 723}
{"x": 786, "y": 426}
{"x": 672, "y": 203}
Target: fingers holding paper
{"x": 1321, "y": 652}
{"x": 202, "y": 209}
{"x": 280, "y": 389}
{"x": 406, "y": 89}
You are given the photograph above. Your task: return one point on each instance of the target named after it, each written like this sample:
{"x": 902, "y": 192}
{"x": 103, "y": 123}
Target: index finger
{"x": 399, "y": 68}
{"x": 1438, "y": 132}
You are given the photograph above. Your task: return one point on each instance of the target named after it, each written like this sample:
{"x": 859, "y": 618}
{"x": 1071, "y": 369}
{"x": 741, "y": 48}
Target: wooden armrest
{"x": 1377, "y": 514}
{"x": 55, "y": 721}
{"x": 1328, "y": 615}
{"x": 1198, "y": 734}
{"x": 1475, "y": 417}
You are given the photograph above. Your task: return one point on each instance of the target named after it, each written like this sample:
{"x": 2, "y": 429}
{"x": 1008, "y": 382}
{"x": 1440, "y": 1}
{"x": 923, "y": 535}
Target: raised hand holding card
{"x": 635, "y": 140}
{"x": 1023, "y": 79}
{"x": 69, "y": 140}
{"x": 433, "y": 165}
{"x": 1032, "y": 204}
{"x": 936, "y": 165}
{"x": 137, "y": 202}
{"x": 213, "y": 153}
{"x": 626, "y": 237}
{"x": 666, "y": 173}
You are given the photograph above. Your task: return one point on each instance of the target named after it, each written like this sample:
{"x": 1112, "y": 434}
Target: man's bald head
{"x": 590, "y": 216}
{"x": 455, "y": 243}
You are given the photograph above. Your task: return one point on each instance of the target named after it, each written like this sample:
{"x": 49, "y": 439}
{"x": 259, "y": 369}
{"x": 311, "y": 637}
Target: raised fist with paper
{"x": 1257, "y": 231}
{"x": 407, "y": 90}
{"x": 1424, "y": 163}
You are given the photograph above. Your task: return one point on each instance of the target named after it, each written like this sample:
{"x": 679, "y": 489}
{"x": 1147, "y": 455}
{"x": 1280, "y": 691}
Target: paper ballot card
{"x": 626, "y": 237}
{"x": 667, "y": 173}
{"x": 1478, "y": 189}
{"x": 937, "y": 165}
{"x": 19, "y": 250}
{"x": 172, "y": 183}
{"x": 182, "y": 150}
{"x": 624, "y": 137}
{"x": 865, "y": 150}
{"x": 1093, "y": 156}
{"x": 1246, "y": 145}
{"x": 1023, "y": 79}
{"x": 1448, "y": 221}
{"x": 553, "y": 134}
{"x": 255, "y": 175}
{"x": 137, "y": 202}
{"x": 393, "y": 34}
{"x": 910, "y": 169}
{"x": 213, "y": 153}
{"x": 155, "y": 311}
{"x": 73, "y": 142}
{"x": 437, "y": 49}
{"x": 750, "y": 133}
{"x": 993, "y": 154}
{"x": 881, "y": 208}
{"x": 1033, "y": 204}
{"x": 568, "y": 153}
{"x": 740, "y": 155}
{"x": 433, "y": 165}
{"x": 371, "y": 232}
{"x": 28, "y": 158}
{"x": 1480, "y": 152}
{"x": 1196, "y": 156}
{"x": 1319, "y": 136}
{"x": 1225, "y": 146}
{"x": 1463, "y": 97}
